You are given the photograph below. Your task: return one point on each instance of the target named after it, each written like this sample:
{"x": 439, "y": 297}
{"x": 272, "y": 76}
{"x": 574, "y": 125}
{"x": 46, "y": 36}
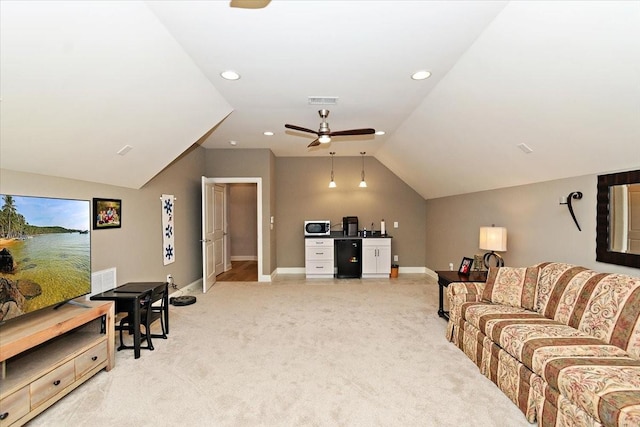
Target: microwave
{"x": 317, "y": 228}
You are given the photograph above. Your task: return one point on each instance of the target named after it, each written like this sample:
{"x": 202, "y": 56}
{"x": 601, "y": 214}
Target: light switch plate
{"x": 395, "y": 224}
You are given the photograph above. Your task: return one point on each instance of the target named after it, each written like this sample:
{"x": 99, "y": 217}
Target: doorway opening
{"x": 211, "y": 252}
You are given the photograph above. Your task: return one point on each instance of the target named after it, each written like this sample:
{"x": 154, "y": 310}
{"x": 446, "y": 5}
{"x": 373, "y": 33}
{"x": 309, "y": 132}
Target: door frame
{"x": 258, "y": 182}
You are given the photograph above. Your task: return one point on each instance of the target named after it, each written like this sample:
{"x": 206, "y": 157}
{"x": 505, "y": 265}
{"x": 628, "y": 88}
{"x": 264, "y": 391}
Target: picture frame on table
{"x": 107, "y": 213}
{"x": 465, "y": 266}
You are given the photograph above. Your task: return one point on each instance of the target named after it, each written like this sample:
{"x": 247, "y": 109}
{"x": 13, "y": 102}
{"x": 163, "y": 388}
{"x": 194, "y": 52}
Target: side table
{"x": 445, "y": 278}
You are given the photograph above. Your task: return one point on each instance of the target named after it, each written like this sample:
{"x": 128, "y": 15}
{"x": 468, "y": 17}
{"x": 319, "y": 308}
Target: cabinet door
{"x": 384, "y": 259}
{"x": 369, "y": 259}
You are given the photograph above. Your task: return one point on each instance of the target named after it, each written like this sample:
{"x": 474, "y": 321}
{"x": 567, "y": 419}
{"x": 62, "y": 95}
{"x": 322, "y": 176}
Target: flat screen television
{"x": 45, "y": 253}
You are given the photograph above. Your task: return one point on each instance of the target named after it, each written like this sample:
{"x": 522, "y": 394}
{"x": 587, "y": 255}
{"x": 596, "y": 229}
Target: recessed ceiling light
{"x": 234, "y": 143}
{"x": 230, "y": 75}
{"x": 380, "y": 132}
{"x": 268, "y": 133}
{"x": 421, "y": 75}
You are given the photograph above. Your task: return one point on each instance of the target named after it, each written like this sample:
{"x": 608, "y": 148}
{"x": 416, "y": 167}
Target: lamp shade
{"x": 493, "y": 238}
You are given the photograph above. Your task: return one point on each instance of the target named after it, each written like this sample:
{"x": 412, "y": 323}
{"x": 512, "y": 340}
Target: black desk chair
{"x": 146, "y": 314}
{"x": 158, "y": 311}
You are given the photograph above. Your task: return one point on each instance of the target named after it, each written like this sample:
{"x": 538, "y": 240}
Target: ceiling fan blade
{"x": 301, "y": 129}
{"x": 366, "y": 131}
{"x": 249, "y": 4}
{"x": 314, "y": 144}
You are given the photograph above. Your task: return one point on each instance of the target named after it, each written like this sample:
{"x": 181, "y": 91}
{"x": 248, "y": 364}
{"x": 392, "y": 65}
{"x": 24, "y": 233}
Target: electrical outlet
{"x": 169, "y": 279}
{"x": 450, "y": 266}
{"x": 395, "y": 258}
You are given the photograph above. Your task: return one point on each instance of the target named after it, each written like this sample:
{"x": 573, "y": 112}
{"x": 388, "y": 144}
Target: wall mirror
{"x": 618, "y": 219}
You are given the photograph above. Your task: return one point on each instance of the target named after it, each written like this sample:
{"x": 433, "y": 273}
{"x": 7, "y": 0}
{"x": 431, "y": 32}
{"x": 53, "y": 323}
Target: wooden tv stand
{"x": 49, "y": 353}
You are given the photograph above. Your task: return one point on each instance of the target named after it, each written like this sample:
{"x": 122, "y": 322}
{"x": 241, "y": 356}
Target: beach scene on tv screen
{"x": 45, "y": 252}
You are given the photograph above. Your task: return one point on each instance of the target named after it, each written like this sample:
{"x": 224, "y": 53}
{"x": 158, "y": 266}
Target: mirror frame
{"x": 603, "y": 254}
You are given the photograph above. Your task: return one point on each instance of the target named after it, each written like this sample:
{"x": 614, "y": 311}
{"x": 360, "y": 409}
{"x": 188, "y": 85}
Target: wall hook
{"x": 577, "y": 195}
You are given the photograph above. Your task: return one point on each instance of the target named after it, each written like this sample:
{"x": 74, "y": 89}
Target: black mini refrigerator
{"x": 348, "y": 256}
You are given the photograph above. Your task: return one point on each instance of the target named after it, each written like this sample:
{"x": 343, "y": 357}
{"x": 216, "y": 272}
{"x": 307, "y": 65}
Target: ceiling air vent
{"x": 323, "y": 100}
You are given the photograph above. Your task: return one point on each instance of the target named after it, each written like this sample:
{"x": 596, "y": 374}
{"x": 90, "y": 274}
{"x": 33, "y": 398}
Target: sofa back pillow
{"x": 605, "y": 306}
{"x": 511, "y": 286}
{"x": 612, "y": 312}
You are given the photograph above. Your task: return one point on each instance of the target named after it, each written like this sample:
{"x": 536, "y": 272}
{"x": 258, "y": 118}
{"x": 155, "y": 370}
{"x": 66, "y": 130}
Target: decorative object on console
{"x": 332, "y": 183}
{"x": 465, "y": 266}
{"x": 577, "y": 195}
{"x": 493, "y": 239}
{"x": 363, "y": 183}
{"x": 477, "y": 262}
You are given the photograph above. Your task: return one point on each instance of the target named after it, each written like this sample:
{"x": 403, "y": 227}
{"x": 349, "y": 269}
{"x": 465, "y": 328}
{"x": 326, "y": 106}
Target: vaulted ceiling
{"x": 81, "y": 81}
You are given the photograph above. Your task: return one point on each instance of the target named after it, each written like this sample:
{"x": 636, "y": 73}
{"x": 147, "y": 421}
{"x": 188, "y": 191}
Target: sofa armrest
{"x": 465, "y": 292}
{"x": 457, "y": 294}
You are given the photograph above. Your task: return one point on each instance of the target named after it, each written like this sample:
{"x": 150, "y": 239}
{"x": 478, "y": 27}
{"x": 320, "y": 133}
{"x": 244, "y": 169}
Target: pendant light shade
{"x": 363, "y": 183}
{"x": 332, "y": 183}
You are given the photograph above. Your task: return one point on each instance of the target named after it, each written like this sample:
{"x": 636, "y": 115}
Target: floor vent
{"x": 323, "y": 100}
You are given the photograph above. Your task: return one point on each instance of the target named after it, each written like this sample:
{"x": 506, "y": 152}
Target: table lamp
{"x": 493, "y": 239}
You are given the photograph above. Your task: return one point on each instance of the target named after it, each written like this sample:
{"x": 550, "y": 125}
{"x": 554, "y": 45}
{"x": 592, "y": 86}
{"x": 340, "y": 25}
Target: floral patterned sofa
{"x": 561, "y": 341}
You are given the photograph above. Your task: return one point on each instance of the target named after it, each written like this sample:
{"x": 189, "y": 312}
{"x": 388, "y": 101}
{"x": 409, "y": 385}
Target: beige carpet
{"x": 296, "y": 353}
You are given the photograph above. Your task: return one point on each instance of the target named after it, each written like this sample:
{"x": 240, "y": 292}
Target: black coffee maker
{"x": 350, "y": 226}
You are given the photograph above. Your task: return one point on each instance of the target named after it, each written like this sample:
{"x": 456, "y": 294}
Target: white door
{"x": 208, "y": 256}
{"x": 218, "y": 228}
{"x": 209, "y": 225}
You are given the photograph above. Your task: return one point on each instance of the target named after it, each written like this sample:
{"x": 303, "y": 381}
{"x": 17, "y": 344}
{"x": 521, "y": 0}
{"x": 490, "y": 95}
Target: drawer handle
{"x": 317, "y": 266}
{"x": 56, "y": 382}
{"x": 4, "y": 416}
{"x": 94, "y": 358}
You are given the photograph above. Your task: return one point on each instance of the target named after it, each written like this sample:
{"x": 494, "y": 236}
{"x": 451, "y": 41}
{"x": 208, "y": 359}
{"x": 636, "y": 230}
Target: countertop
{"x": 340, "y": 235}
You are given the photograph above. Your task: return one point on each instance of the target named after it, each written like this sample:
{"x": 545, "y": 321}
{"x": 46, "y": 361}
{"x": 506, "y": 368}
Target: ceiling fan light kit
{"x": 324, "y": 134}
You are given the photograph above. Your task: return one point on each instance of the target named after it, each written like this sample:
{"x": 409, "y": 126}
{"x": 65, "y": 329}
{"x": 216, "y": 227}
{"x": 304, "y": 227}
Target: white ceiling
{"x": 80, "y": 80}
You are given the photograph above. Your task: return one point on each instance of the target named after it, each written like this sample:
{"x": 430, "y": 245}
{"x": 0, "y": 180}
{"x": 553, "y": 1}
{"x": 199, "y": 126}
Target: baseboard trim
{"x": 243, "y": 258}
{"x": 405, "y": 270}
{"x": 191, "y": 287}
{"x": 290, "y": 270}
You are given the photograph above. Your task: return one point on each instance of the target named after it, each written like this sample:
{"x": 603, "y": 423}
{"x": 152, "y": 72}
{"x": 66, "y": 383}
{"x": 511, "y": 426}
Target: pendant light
{"x": 363, "y": 183}
{"x": 332, "y": 183}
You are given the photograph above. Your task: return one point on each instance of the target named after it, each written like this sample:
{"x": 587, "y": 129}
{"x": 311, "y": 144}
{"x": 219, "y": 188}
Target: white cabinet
{"x": 376, "y": 258}
{"x": 318, "y": 257}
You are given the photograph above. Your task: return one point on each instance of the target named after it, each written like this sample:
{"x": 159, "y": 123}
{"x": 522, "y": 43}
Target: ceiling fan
{"x": 249, "y": 4}
{"x": 325, "y": 134}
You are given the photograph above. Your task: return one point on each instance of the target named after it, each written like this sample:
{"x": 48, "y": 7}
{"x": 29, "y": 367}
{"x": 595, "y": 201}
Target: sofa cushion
{"x": 606, "y": 388}
{"x": 531, "y": 338}
{"x": 511, "y": 286}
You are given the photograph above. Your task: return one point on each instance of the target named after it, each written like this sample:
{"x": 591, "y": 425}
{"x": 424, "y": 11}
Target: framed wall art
{"x": 107, "y": 213}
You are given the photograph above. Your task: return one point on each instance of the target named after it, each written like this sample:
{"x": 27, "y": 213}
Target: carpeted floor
{"x": 296, "y": 353}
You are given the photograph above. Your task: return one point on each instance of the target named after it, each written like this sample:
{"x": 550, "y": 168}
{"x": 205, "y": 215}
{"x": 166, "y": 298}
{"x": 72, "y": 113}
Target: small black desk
{"x": 445, "y": 278}
{"x": 127, "y": 299}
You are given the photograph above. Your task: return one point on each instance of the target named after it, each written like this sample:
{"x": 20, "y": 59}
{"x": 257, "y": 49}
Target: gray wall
{"x": 243, "y": 229}
{"x": 135, "y": 249}
{"x": 302, "y": 193}
{"x": 539, "y": 228}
